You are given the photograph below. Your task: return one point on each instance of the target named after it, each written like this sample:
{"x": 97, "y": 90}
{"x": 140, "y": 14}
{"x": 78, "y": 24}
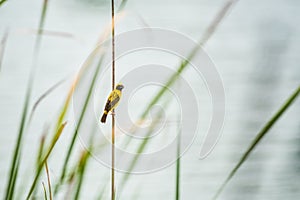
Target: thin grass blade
{"x": 177, "y": 181}
{"x": 48, "y": 152}
{"x": 82, "y": 164}
{"x": 40, "y": 152}
{"x": 87, "y": 64}
{"x": 140, "y": 149}
{"x": 70, "y": 149}
{"x": 41, "y": 147}
{"x": 18, "y": 147}
{"x": 48, "y": 180}
{"x": 42, "y": 97}
{"x": 258, "y": 138}
{"x": 81, "y": 169}
{"x": 184, "y": 63}
{"x": 15, "y": 175}
{"x": 45, "y": 192}
{"x": 14, "y": 166}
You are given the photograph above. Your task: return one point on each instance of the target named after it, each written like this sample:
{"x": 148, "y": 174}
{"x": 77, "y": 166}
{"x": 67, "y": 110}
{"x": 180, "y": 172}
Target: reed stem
{"x": 113, "y": 111}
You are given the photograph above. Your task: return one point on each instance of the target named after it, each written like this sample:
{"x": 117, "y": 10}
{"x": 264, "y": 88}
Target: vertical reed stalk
{"x": 178, "y": 151}
{"x": 177, "y": 193}
{"x": 113, "y": 111}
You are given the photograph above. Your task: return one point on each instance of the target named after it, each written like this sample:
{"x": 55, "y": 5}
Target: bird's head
{"x": 119, "y": 87}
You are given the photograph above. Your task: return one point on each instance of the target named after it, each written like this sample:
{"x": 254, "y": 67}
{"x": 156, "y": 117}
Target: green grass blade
{"x": 177, "y": 181}
{"x": 71, "y": 145}
{"x": 17, "y": 152}
{"x": 66, "y": 104}
{"x": 140, "y": 149}
{"x": 41, "y": 147}
{"x": 15, "y": 175}
{"x": 42, "y": 22}
{"x": 258, "y": 138}
{"x": 2, "y": 1}
{"x": 40, "y": 152}
{"x": 48, "y": 152}
{"x": 42, "y": 97}
{"x": 70, "y": 183}
{"x": 82, "y": 164}
{"x": 87, "y": 64}
{"x": 48, "y": 180}
{"x": 14, "y": 165}
{"x": 45, "y": 192}
{"x": 184, "y": 63}
{"x": 81, "y": 170}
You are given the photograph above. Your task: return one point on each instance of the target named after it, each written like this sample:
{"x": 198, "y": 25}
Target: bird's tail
{"x": 103, "y": 118}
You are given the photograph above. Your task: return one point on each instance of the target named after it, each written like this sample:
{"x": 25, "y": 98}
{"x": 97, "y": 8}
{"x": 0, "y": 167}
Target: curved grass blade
{"x": 42, "y": 97}
{"x": 258, "y": 138}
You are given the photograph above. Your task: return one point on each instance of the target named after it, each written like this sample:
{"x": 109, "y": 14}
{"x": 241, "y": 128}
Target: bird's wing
{"x": 112, "y": 100}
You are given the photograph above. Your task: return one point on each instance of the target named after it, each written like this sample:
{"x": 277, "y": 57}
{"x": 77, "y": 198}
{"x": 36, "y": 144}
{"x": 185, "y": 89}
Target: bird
{"x": 112, "y": 101}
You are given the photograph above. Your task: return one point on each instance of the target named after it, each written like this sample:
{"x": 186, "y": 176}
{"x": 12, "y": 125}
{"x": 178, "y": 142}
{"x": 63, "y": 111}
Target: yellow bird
{"x": 112, "y": 101}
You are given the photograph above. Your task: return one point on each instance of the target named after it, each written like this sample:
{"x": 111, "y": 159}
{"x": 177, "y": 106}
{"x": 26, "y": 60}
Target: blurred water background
{"x": 256, "y": 50}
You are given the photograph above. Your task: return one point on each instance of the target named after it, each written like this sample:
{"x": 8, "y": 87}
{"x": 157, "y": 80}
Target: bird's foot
{"x": 113, "y": 113}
